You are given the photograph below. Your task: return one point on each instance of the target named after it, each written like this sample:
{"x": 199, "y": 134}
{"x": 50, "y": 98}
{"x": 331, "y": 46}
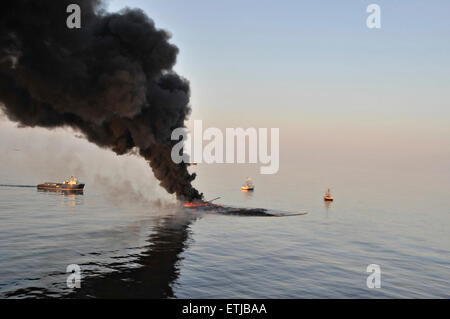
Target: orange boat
{"x": 328, "y": 197}
{"x": 248, "y": 186}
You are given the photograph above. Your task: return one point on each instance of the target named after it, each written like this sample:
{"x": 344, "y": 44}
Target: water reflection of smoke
{"x": 157, "y": 268}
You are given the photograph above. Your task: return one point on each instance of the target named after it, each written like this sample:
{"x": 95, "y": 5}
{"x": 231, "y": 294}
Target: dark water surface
{"x": 399, "y": 222}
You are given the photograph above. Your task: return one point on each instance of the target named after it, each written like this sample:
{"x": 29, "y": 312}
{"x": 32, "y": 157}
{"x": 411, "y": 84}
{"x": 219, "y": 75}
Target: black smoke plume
{"x": 112, "y": 80}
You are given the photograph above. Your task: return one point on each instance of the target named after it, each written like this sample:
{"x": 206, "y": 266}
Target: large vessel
{"x": 69, "y": 185}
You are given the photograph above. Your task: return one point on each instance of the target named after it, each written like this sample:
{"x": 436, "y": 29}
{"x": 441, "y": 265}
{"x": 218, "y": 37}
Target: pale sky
{"x": 309, "y": 57}
{"x": 311, "y": 63}
{"x": 314, "y": 69}
{"x": 335, "y": 88}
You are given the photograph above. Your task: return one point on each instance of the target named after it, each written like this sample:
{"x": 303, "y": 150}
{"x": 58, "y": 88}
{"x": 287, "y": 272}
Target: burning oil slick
{"x": 208, "y": 207}
{"x": 111, "y": 80}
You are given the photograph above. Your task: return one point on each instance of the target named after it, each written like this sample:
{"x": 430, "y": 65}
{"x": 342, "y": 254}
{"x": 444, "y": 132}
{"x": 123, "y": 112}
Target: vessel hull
{"x": 61, "y": 187}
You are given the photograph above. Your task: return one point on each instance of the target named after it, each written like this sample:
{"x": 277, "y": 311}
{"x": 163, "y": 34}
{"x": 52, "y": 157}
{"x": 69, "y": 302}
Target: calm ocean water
{"x": 398, "y": 220}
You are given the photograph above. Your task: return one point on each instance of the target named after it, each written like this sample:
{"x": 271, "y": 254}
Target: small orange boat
{"x": 248, "y": 186}
{"x": 328, "y": 197}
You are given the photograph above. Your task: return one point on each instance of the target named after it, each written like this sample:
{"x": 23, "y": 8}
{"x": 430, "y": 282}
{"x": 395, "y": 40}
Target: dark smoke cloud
{"x": 111, "y": 80}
